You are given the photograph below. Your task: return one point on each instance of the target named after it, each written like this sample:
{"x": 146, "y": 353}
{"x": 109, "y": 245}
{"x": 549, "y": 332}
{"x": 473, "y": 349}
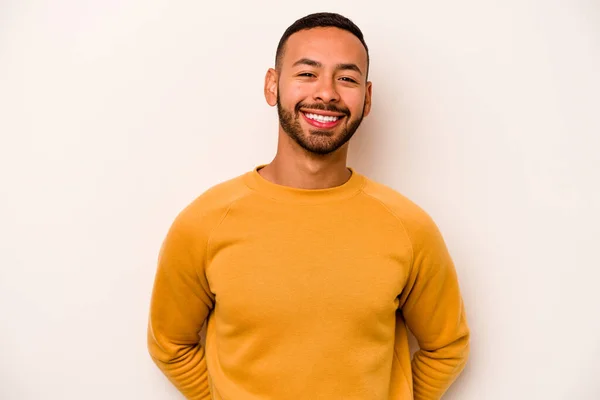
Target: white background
{"x": 116, "y": 114}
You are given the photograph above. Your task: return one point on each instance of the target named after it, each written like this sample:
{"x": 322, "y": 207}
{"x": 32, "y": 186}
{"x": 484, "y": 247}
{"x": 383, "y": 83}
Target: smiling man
{"x": 307, "y": 273}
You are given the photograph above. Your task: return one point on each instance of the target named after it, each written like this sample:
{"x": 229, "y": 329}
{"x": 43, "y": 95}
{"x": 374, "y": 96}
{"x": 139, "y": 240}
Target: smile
{"x": 322, "y": 121}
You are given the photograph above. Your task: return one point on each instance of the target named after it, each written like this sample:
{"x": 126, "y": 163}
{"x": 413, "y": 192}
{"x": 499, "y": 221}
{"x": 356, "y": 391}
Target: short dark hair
{"x": 319, "y": 20}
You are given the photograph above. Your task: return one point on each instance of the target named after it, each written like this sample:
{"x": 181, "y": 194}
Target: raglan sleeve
{"x": 433, "y": 309}
{"x": 180, "y": 303}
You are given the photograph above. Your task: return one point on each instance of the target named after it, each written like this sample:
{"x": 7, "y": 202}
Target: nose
{"x": 326, "y": 91}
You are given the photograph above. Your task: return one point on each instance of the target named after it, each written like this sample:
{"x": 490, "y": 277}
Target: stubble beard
{"x": 321, "y": 142}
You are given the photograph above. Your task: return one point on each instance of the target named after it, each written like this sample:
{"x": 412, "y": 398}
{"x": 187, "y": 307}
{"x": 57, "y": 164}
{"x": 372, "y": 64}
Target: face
{"x": 320, "y": 88}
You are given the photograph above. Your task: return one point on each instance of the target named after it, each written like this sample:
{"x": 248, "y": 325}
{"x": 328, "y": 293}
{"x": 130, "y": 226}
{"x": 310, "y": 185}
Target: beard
{"x": 321, "y": 142}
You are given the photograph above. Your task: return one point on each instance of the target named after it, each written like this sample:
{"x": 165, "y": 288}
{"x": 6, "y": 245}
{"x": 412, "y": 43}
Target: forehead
{"x": 326, "y": 45}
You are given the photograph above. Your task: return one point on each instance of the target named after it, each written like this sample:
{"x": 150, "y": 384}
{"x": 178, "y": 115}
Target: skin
{"x": 322, "y": 71}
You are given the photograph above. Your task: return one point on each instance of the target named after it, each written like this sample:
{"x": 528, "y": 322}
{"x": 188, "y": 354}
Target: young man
{"x": 308, "y": 273}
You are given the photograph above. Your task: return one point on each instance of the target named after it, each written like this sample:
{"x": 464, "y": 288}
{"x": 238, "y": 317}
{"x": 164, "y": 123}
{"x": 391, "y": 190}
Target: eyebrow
{"x": 316, "y": 64}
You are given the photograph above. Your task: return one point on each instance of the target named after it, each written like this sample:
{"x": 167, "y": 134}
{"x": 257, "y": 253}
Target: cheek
{"x": 292, "y": 94}
{"x": 355, "y": 102}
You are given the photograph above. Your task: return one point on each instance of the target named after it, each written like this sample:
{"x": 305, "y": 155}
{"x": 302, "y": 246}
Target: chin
{"x": 321, "y": 147}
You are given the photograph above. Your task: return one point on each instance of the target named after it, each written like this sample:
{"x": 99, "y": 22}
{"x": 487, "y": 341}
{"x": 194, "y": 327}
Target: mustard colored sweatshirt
{"x": 308, "y": 295}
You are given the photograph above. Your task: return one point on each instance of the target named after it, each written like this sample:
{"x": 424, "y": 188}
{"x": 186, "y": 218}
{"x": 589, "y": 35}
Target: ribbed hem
{"x": 350, "y": 188}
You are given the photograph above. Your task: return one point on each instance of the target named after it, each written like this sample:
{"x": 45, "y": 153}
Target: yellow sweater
{"x": 308, "y": 294}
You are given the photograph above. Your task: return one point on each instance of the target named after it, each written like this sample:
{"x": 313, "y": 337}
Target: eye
{"x": 307, "y": 74}
{"x": 348, "y": 79}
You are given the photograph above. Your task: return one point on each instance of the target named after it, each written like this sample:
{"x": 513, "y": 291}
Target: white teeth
{"x": 322, "y": 118}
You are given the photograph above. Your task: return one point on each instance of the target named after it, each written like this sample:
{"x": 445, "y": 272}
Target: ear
{"x": 368, "y": 95}
{"x": 271, "y": 87}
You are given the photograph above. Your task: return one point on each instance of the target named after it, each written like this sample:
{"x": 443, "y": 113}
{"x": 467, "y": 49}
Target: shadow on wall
{"x": 380, "y": 148}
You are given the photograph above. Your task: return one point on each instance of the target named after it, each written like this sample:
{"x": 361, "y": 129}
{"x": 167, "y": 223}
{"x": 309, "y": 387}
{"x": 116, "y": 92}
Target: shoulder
{"x": 207, "y": 210}
{"x": 417, "y": 222}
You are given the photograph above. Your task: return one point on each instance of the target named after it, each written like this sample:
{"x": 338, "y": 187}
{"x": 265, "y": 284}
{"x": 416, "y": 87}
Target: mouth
{"x": 322, "y": 119}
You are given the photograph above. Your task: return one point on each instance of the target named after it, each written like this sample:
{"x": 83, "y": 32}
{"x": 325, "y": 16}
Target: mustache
{"x": 322, "y": 107}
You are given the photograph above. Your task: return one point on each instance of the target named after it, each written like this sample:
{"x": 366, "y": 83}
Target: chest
{"x": 317, "y": 268}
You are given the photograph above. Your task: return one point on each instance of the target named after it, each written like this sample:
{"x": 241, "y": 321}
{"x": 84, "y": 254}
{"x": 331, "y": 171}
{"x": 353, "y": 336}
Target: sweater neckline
{"x": 258, "y": 183}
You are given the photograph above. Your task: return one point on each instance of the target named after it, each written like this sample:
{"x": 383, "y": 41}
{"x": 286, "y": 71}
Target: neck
{"x": 295, "y": 167}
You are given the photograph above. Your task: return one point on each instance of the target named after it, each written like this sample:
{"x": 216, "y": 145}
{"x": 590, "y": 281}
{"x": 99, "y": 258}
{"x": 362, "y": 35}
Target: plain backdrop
{"x": 116, "y": 114}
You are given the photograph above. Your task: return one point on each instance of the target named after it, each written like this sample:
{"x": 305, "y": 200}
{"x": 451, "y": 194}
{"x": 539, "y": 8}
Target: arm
{"x": 434, "y": 312}
{"x": 181, "y": 301}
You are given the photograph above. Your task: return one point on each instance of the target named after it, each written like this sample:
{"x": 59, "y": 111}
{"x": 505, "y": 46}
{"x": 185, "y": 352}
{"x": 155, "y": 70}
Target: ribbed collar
{"x": 350, "y": 188}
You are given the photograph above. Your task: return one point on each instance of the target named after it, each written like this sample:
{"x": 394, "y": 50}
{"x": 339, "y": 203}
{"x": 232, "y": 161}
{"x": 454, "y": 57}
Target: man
{"x": 308, "y": 273}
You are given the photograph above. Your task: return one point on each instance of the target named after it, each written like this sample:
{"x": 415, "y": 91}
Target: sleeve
{"x": 181, "y": 301}
{"x": 433, "y": 309}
